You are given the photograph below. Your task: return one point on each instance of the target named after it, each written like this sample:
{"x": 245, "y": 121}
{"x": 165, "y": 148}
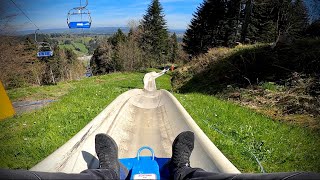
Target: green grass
{"x": 82, "y": 47}
{"x": 27, "y": 139}
{"x": 66, "y": 46}
{"x": 270, "y": 86}
{"x": 84, "y": 39}
{"x": 43, "y": 92}
{"x": 279, "y": 147}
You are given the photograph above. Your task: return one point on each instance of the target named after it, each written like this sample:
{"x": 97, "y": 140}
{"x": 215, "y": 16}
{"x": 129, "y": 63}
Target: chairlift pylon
{"x": 79, "y": 11}
{"x": 44, "y": 48}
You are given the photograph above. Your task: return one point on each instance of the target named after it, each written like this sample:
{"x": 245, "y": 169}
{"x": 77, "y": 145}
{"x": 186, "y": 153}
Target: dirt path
{"x": 27, "y": 106}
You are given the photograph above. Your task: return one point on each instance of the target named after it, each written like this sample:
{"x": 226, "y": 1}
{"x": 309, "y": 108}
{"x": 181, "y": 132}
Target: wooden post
{"x": 52, "y": 76}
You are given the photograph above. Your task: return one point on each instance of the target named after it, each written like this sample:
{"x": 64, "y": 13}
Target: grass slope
{"x": 78, "y": 48}
{"x": 82, "y": 47}
{"x": 278, "y": 146}
{"x": 27, "y": 139}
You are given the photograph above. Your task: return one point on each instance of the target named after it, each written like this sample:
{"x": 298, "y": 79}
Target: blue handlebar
{"x": 143, "y": 148}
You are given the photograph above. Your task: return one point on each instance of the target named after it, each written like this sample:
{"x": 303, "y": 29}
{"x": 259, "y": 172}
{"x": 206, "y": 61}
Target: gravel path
{"x": 26, "y": 106}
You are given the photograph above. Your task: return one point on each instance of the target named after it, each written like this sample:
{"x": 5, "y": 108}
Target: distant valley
{"x": 94, "y": 30}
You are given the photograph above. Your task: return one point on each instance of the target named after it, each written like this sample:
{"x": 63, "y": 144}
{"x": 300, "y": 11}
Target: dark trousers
{"x": 183, "y": 173}
{"x": 85, "y": 175}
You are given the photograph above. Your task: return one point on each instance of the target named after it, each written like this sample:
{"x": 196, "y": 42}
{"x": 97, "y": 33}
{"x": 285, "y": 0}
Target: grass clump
{"x": 269, "y": 86}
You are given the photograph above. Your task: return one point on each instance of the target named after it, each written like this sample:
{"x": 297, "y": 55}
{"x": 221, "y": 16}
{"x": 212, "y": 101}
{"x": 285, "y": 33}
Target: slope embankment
{"x": 281, "y": 82}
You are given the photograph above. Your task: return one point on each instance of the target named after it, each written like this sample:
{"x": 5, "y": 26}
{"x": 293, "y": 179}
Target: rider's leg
{"x": 107, "y": 151}
{"x": 179, "y": 166}
{"x": 201, "y": 174}
{"x": 87, "y": 174}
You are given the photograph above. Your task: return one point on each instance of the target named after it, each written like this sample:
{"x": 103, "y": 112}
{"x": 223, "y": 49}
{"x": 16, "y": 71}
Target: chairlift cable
{"x": 40, "y": 53}
{"x": 81, "y": 13}
{"x": 24, "y": 14}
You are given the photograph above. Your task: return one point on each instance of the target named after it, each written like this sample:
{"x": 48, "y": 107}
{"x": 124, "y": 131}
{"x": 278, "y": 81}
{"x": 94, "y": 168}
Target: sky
{"x": 48, "y": 14}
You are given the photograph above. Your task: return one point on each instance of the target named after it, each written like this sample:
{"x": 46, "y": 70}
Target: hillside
{"x": 20, "y": 66}
{"x": 281, "y": 83}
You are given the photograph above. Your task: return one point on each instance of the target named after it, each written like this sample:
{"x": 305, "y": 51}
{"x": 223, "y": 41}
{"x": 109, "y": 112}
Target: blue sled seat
{"x": 145, "y": 167}
{"x": 45, "y": 53}
{"x": 79, "y": 24}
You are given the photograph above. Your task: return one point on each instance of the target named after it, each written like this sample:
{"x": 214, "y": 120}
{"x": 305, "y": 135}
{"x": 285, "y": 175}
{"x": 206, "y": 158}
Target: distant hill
{"x": 94, "y": 30}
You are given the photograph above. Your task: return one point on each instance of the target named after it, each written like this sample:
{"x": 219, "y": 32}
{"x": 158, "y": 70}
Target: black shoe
{"x": 107, "y": 152}
{"x": 182, "y": 147}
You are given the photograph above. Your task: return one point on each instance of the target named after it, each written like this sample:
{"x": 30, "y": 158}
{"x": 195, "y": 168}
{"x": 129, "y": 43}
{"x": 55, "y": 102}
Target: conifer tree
{"x": 102, "y": 61}
{"x": 230, "y": 25}
{"x": 119, "y": 36}
{"x": 173, "y": 48}
{"x": 154, "y": 39}
{"x": 215, "y": 23}
{"x": 261, "y": 24}
{"x": 195, "y": 38}
{"x": 246, "y": 19}
{"x": 115, "y": 40}
{"x": 298, "y": 19}
{"x": 269, "y": 18}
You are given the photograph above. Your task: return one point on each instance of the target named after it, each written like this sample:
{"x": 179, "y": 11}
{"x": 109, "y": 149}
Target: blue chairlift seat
{"x": 79, "y": 24}
{"x": 73, "y": 20}
{"x": 88, "y": 74}
{"x": 44, "y": 49}
{"x": 45, "y": 53}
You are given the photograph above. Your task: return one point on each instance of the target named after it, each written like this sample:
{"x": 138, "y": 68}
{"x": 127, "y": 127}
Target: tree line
{"x": 20, "y": 67}
{"x": 226, "y": 23}
{"x": 148, "y": 44}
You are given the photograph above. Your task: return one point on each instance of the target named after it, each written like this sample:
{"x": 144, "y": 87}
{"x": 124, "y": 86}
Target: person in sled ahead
{"x": 179, "y": 165}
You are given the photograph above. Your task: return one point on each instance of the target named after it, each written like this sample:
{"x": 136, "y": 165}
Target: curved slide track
{"x": 134, "y": 119}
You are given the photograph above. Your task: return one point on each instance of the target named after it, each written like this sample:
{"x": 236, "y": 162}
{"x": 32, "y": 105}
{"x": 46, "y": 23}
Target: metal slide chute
{"x": 137, "y": 118}
{"x": 81, "y": 12}
{"x": 44, "y": 48}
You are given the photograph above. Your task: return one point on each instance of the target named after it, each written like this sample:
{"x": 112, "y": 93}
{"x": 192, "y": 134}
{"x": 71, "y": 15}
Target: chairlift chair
{"x": 44, "y": 48}
{"x": 79, "y": 11}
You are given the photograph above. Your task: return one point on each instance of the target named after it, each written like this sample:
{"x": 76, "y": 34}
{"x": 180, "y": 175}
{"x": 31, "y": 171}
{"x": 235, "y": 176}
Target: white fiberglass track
{"x": 134, "y": 119}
